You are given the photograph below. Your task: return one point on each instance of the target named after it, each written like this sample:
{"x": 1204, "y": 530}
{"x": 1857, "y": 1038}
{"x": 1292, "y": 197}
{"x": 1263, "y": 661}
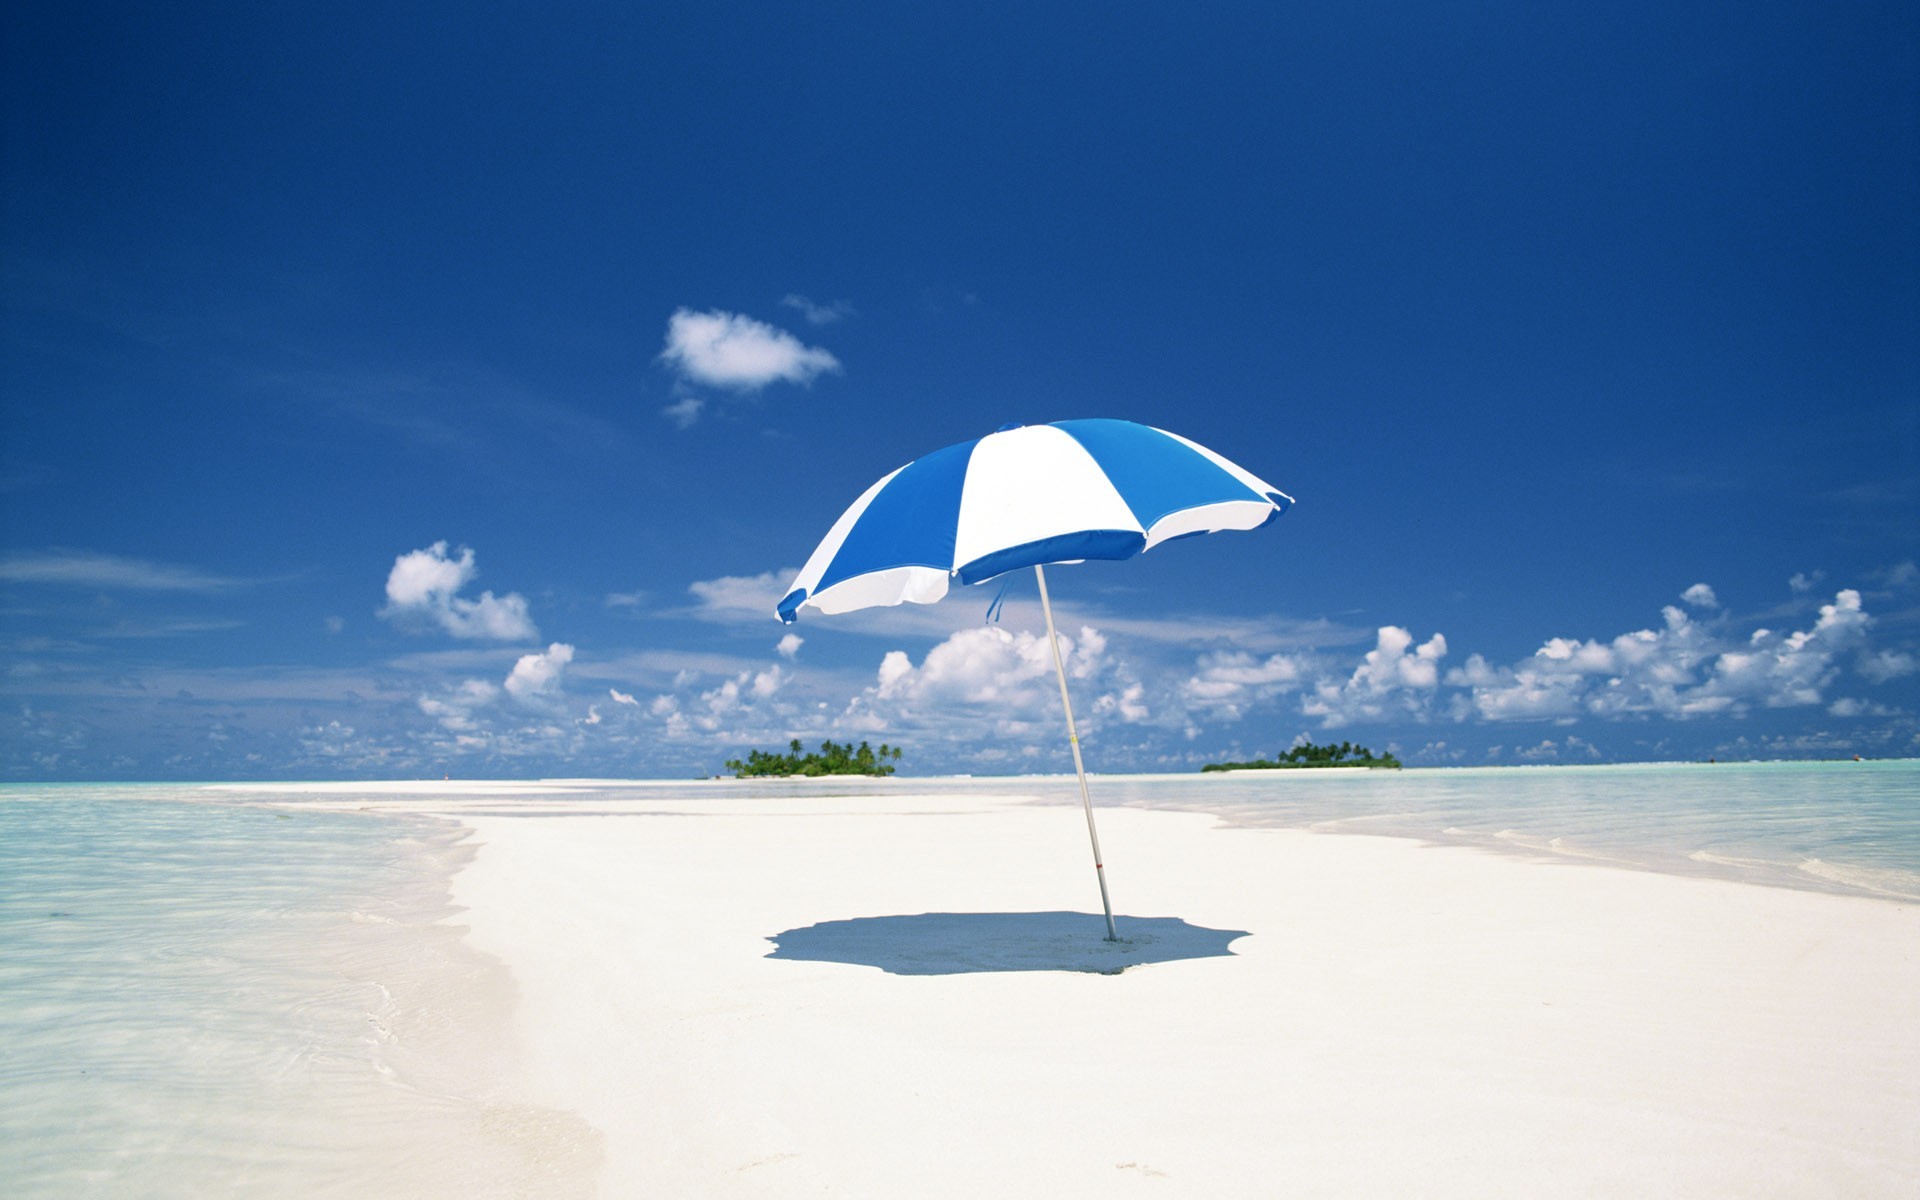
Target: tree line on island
{"x": 831, "y": 759}
{"x": 834, "y": 758}
{"x": 1346, "y": 754}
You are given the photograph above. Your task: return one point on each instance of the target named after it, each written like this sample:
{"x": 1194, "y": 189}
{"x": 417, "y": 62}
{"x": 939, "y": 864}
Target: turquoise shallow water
{"x": 260, "y": 992}
{"x": 205, "y": 999}
{"x": 1840, "y": 826}
{"x": 1828, "y": 826}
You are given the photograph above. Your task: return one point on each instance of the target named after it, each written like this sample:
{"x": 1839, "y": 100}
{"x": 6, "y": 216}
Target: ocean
{"x": 264, "y": 991}
{"x": 204, "y": 997}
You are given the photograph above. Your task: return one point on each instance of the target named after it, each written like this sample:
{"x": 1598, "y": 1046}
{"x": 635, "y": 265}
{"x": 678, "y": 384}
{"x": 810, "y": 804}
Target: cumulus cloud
{"x": 984, "y": 665}
{"x": 1551, "y": 751}
{"x": 815, "y": 313}
{"x": 539, "y": 674}
{"x": 1638, "y": 672}
{"x": 1701, "y": 595}
{"x": 993, "y": 691}
{"x": 1683, "y": 669}
{"x": 454, "y": 708}
{"x": 620, "y": 697}
{"x": 1394, "y": 678}
{"x": 423, "y": 588}
{"x": 1781, "y": 671}
{"x": 728, "y": 350}
{"x": 1225, "y": 684}
{"x": 790, "y": 645}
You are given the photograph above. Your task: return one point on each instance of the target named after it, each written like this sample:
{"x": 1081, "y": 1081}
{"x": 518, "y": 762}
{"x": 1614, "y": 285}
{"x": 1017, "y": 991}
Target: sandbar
{"x": 891, "y": 995}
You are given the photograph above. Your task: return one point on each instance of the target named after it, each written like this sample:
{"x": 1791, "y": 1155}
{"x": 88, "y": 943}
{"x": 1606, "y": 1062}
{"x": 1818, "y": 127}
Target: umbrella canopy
{"x": 1023, "y": 496}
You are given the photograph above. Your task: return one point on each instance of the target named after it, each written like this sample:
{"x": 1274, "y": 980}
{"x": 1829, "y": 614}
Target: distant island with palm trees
{"x": 832, "y": 759}
{"x": 1346, "y": 754}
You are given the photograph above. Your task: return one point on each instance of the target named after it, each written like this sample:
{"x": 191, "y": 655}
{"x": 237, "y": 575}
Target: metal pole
{"x": 1073, "y": 739}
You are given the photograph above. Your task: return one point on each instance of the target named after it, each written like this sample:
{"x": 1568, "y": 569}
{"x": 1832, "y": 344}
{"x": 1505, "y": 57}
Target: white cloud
{"x": 1394, "y": 678}
{"x": 740, "y": 597}
{"x": 1888, "y": 664}
{"x": 1849, "y": 707}
{"x": 620, "y": 697}
{"x": 537, "y": 674}
{"x": 1226, "y": 683}
{"x": 1523, "y": 693}
{"x": 723, "y": 349}
{"x": 454, "y": 709}
{"x": 422, "y": 587}
{"x": 993, "y": 691}
{"x": 1128, "y": 704}
{"x": 790, "y": 645}
{"x": 983, "y": 665}
{"x": 1701, "y": 595}
{"x": 1783, "y": 671}
{"x": 76, "y": 569}
{"x": 684, "y": 412}
{"x": 817, "y": 314}
{"x": 1684, "y": 669}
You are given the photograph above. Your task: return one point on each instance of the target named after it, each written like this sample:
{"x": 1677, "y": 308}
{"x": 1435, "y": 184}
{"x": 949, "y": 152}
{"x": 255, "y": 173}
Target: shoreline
{"x": 1385, "y": 1016}
{"x": 1524, "y": 825}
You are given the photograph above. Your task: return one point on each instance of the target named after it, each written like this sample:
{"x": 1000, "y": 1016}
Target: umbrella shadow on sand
{"x": 967, "y": 943}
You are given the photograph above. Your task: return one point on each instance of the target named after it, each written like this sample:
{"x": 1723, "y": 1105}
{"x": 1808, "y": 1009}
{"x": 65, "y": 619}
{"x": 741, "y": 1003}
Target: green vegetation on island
{"x": 1346, "y": 754}
{"x": 832, "y": 759}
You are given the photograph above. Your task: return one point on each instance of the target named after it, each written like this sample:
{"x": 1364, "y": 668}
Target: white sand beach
{"x": 1395, "y": 1019}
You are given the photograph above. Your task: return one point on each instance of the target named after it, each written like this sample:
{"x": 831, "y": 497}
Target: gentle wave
{"x": 1901, "y": 885}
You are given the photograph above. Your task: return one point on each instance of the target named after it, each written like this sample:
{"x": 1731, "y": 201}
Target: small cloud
{"x": 454, "y": 709}
{"x": 1701, "y": 595}
{"x": 728, "y": 350}
{"x": 423, "y": 585}
{"x": 1804, "y": 582}
{"x": 817, "y": 314}
{"x": 1848, "y": 707}
{"x": 684, "y": 412}
{"x": 620, "y": 697}
{"x": 536, "y": 674}
{"x": 739, "y": 597}
{"x": 790, "y": 645}
{"x": 1903, "y": 575}
{"x": 1888, "y": 664}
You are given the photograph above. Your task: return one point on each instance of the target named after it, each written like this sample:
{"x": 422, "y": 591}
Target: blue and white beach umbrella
{"x": 1022, "y": 497}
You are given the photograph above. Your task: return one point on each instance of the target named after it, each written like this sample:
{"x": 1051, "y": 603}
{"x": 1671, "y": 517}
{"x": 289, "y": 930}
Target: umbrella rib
{"x": 1073, "y": 739}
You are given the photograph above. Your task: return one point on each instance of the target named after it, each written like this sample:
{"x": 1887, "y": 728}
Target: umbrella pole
{"x": 1073, "y": 739}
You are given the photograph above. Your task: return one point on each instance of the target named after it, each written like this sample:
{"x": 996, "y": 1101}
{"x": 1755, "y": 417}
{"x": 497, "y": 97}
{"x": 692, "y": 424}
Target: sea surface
{"x": 203, "y": 997}
{"x": 264, "y": 990}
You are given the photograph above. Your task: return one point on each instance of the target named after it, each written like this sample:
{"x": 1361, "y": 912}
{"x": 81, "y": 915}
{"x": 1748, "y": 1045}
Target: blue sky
{"x": 399, "y": 390}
